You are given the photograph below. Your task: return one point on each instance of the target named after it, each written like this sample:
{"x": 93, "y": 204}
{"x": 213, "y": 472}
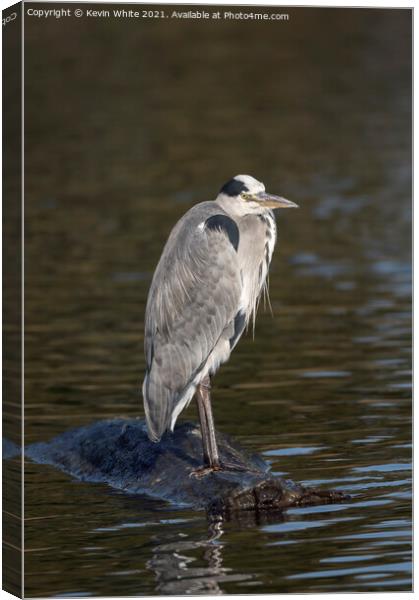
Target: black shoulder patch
{"x": 234, "y": 187}
{"x": 239, "y": 323}
{"x": 224, "y": 223}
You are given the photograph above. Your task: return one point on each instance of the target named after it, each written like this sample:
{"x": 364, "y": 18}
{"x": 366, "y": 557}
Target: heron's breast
{"x": 257, "y": 242}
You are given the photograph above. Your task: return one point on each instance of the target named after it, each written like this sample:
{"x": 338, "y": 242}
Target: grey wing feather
{"x": 193, "y": 299}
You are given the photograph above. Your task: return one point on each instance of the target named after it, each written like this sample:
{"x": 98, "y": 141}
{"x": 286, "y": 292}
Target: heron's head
{"x": 244, "y": 195}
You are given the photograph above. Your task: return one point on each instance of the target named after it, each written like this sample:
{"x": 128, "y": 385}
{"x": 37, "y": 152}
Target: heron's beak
{"x": 271, "y": 201}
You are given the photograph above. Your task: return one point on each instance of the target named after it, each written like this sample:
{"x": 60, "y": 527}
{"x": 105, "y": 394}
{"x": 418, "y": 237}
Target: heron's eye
{"x": 245, "y": 196}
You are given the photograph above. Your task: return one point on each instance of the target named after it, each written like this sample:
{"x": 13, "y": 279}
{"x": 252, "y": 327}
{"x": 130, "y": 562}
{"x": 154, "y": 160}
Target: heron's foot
{"x": 224, "y": 466}
{"x": 203, "y": 471}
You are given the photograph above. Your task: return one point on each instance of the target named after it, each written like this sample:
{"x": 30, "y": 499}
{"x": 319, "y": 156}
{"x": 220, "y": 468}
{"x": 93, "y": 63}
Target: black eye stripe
{"x": 234, "y": 187}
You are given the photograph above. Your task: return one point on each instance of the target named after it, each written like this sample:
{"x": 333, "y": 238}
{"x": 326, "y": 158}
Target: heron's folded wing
{"x": 193, "y": 300}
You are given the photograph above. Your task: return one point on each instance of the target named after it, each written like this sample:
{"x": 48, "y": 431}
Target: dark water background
{"x": 129, "y": 123}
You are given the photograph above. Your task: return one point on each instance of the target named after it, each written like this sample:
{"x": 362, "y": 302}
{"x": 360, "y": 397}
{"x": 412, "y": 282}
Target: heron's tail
{"x": 162, "y": 406}
{"x": 156, "y": 407}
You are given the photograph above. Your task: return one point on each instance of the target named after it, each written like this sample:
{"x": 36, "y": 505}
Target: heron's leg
{"x": 209, "y": 441}
{"x": 204, "y": 427}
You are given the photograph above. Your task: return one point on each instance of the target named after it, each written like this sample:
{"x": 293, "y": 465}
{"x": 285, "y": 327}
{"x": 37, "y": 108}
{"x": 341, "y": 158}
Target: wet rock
{"x": 119, "y": 453}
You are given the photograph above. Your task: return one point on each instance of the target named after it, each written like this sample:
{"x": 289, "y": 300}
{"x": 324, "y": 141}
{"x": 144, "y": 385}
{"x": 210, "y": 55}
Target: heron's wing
{"x": 193, "y": 301}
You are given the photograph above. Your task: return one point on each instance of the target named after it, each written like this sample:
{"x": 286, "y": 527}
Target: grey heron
{"x": 204, "y": 292}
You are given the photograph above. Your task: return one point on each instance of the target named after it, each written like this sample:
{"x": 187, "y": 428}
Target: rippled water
{"x": 128, "y": 126}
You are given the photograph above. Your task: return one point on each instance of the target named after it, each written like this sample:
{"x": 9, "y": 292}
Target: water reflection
{"x": 178, "y": 573}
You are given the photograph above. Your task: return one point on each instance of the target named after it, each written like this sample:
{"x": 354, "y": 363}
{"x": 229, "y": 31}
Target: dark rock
{"x": 119, "y": 453}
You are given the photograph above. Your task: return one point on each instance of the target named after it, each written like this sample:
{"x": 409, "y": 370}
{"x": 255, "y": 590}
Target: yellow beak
{"x": 271, "y": 201}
